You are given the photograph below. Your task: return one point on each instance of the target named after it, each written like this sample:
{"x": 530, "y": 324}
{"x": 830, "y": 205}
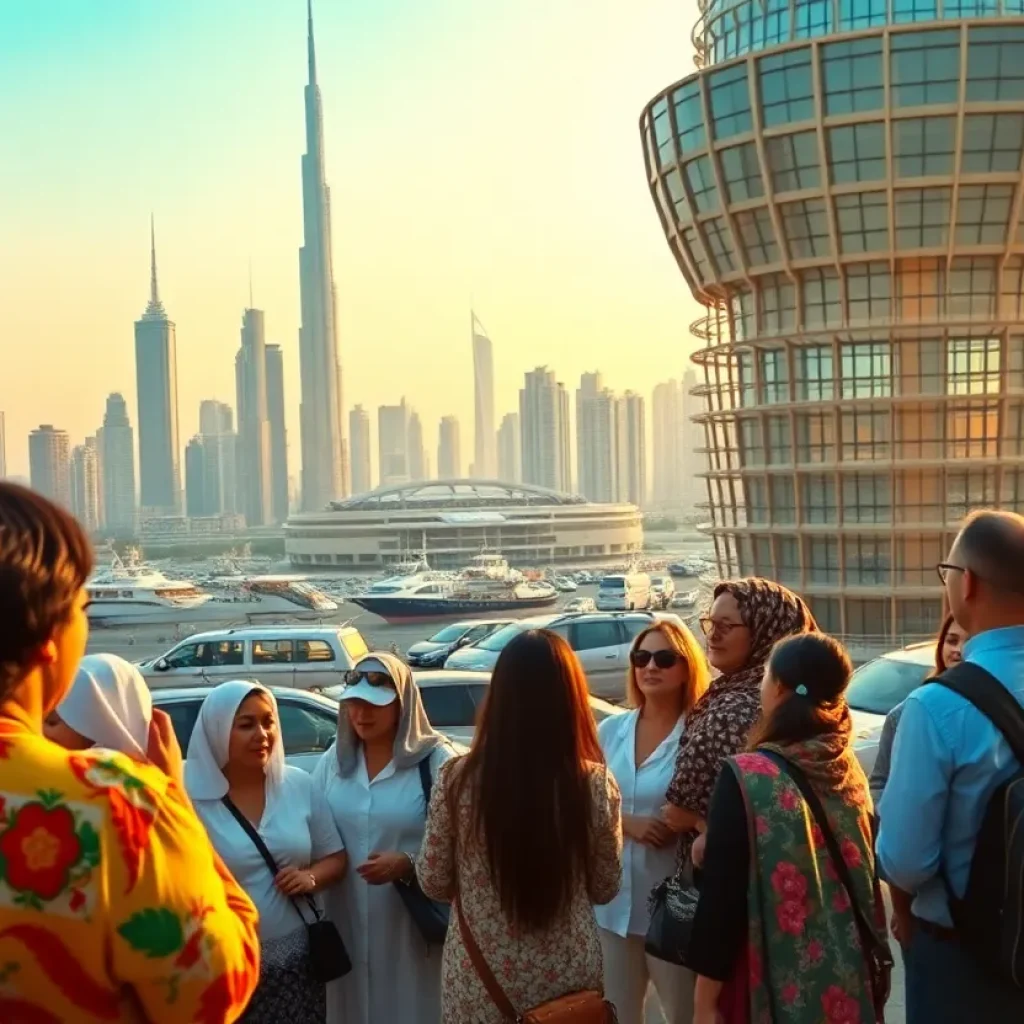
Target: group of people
{"x": 136, "y": 887}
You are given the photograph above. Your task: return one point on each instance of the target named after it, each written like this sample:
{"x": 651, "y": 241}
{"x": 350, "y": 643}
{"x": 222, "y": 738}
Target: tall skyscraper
{"x": 667, "y": 446}
{"x": 156, "y": 375}
{"x": 49, "y": 458}
{"x": 3, "y": 448}
{"x": 85, "y": 484}
{"x": 449, "y": 449}
{"x": 841, "y": 188}
{"x": 221, "y": 489}
{"x": 417, "y": 453}
{"x": 278, "y": 434}
{"x": 631, "y": 449}
{"x": 324, "y": 461}
{"x": 544, "y": 422}
{"x": 484, "y": 456}
{"x": 253, "y": 461}
{"x": 117, "y": 467}
{"x": 393, "y": 443}
{"x": 510, "y": 449}
{"x": 196, "y": 473}
{"x": 596, "y": 424}
{"x": 359, "y": 438}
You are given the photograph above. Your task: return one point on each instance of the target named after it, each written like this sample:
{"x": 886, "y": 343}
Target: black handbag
{"x": 429, "y": 916}
{"x": 673, "y": 908}
{"x": 328, "y": 957}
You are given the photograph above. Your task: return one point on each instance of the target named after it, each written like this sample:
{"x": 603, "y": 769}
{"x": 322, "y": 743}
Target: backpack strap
{"x": 991, "y": 698}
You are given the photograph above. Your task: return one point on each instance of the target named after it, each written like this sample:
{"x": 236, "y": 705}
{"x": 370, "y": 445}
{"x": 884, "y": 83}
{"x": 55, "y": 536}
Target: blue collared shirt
{"x": 947, "y": 762}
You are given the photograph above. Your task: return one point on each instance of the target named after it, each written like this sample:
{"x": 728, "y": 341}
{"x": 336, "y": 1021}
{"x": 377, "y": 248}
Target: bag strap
{"x": 268, "y": 858}
{"x": 868, "y": 935}
{"x": 426, "y": 779}
{"x": 991, "y": 698}
{"x": 484, "y": 973}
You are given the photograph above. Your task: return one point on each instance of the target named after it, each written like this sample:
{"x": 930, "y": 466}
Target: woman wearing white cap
{"x": 235, "y": 766}
{"x": 373, "y": 784}
{"x": 107, "y": 706}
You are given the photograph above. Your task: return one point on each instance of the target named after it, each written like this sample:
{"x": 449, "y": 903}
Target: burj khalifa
{"x": 324, "y": 455}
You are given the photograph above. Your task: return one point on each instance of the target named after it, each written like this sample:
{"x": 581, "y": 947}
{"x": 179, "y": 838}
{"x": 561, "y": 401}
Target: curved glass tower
{"x": 840, "y": 183}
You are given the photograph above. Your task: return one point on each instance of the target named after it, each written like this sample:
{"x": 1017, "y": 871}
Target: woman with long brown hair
{"x": 668, "y": 674}
{"x": 525, "y": 832}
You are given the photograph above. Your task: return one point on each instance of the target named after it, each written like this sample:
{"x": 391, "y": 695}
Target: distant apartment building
{"x": 484, "y": 455}
{"x": 596, "y": 425}
{"x": 630, "y": 449}
{"x": 49, "y": 457}
{"x": 417, "y": 452}
{"x": 510, "y": 450}
{"x": 116, "y": 442}
{"x": 359, "y": 435}
{"x": 85, "y": 484}
{"x": 278, "y": 434}
{"x": 393, "y": 443}
{"x": 449, "y": 449}
{"x": 222, "y": 492}
{"x": 544, "y": 428}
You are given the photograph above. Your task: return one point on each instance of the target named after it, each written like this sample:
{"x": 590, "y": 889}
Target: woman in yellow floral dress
{"x": 113, "y": 906}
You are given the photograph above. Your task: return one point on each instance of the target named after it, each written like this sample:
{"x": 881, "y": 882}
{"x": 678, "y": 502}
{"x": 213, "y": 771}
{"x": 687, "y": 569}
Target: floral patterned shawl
{"x": 804, "y": 959}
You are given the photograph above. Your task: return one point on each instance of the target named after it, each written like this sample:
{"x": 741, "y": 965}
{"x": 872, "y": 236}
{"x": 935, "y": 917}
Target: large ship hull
{"x": 416, "y": 609}
{"x": 125, "y": 614}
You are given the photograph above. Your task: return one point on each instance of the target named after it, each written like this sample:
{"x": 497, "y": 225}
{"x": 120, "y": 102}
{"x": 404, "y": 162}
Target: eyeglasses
{"x": 709, "y": 625}
{"x": 354, "y": 675}
{"x": 945, "y": 568}
{"x": 663, "y": 658}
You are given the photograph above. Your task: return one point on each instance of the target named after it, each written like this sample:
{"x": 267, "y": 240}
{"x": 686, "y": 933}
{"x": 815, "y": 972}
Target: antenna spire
{"x": 154, "y": 291}
{"x": 250, "y": 283}
{"x": 309, "y": 42}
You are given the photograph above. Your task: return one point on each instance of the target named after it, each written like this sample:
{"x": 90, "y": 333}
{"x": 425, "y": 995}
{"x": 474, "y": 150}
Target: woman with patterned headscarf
{"x": 747, "y": 618}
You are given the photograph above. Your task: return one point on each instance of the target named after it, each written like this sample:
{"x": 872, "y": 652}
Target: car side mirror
{"x": 463, "y": 641}
{"x": 161, "y": 665}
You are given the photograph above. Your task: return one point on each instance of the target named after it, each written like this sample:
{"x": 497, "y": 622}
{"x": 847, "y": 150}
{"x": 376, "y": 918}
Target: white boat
{"x": 139, "y": 595}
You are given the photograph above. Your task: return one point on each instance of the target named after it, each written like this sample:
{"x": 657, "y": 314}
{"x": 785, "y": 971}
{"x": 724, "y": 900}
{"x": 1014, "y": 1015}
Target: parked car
{"x": 601, "y": 640}
{"x": 624, "y": 592}
{"x": 565, "y": 585}
{"x": 432, "y": 653}
{"x": 878, "y": 686}
{"x": 306, "y": 657}
{"x": 663, "y": 589}
{"x": 580, "y": 604}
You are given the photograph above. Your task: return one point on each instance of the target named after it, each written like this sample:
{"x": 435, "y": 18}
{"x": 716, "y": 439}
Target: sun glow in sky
{"x": 477, "y": 153}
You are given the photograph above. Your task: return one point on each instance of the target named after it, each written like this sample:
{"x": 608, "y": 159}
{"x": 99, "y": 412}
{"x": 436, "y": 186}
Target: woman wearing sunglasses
{"x": 375, "y": 789}
{"x": 667, "y": 676}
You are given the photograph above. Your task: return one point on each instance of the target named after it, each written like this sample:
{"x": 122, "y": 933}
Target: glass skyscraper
{"x": 840, "y": 183}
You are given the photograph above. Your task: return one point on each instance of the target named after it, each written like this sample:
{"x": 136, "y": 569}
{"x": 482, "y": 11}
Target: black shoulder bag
{"x": 429, "y": 916}
{"x": 876, "y": 949}
{"x": 328, "y": 958}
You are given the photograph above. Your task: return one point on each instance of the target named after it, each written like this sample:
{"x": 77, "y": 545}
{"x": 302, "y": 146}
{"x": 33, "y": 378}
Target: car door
{"x": 185, "y": 665}
{"x": 599, "y": 644}
{"x": 452, "y": 708}
{"x": 273, "y": 660}
{"x": 316, "y": 665}
{"x": 307, "y": 730}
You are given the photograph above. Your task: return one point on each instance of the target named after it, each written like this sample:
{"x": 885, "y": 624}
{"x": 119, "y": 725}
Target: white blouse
{"x": 643, "y": 793}
{"x": 297, "y": 828}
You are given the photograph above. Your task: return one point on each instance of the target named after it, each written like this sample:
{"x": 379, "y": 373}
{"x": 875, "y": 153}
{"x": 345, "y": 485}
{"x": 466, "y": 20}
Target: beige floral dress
{"x": 531, "y": 968}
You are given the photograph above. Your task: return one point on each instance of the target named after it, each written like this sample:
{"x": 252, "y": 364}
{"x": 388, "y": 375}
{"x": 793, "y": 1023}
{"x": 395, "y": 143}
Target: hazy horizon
{"x": 484, "y": 157}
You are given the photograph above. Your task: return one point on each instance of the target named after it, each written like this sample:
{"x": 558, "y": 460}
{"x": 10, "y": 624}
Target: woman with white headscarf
{"x": 107, "y": 706}
{"x": 235, "y": 764}
{"x": 372, "y": 782}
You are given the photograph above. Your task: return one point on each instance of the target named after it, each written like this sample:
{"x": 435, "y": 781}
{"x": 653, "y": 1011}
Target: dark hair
{"x": 529, "y": 777}
{"x": 991, "y": 544}
{"x": 45, "y": 560}
{"x": 819, "y": 664}
{"x": 940, "y": 641}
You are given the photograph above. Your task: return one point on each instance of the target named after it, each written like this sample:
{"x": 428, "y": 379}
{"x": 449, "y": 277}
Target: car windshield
{"x": 880, "y": 685}
{"x": 497, "y": 640}
{"x": 448, "y": 635}
{"x": 613, "y": 583}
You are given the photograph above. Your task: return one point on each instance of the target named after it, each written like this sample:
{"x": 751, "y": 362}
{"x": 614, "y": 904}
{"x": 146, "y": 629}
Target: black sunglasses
{"x": 355, "y": 675}
{"x": 663, "y": 658}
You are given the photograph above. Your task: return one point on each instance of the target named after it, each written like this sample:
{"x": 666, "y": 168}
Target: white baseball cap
{"x": 373, "y": 684}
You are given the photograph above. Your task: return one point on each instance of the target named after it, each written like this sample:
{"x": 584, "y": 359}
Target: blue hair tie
{"x": 802, "y": 690}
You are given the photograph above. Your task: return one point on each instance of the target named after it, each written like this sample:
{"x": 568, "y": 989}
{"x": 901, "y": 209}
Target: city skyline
{"x": 508, "y": 270}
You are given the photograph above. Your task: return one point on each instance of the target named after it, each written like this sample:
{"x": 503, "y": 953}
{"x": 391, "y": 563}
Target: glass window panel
{"x": 923, "y": 146}
{"x": 1012, "y": 298}
{"x": 827, "y": 612}
{"x": 818, "y": 498}
{"x": 914, "y": 10}
{"x": 745, "y": 378}
{"x": 851, "y": 75}
{"x": 967, "y": 490}
{"x": 866, "y": 369}
{"x": 751, "y": 448}
{"x": 972, "y": 287}
{"x": 720, "y": 243}
{"x": 783, "y": 499}
{"x": 1015, "y": 363}
{"x": 780, "y": 441}
{"x": 695, "y": 248}
{"x": 742, "y": 304}
{"x": 822, "y": 557}
{"x": 920, "y": 367}
{"x": 778, "y": 304}
{"x": 867, "y": 498}
{"x": 814, "y": 373}
{"x": 972, "y": 431}
{"x": 815, "y": 437}
{"x": 868, "y": 292}
{"x": 805, "y": 226}
{"x": 663, "y": 134}
{"x": 758, "y": 236}
{"x": 677, "y": 194}
{"x": 866, "y": 435}
{"x": 917, "y": 617}
{"x": 1011, "y": 495}
{"x": 793, "y": 161}
{"x": 863, "y": 221}
{"x": 787, "y": 560}
{"x": 868, "y": 561}
{"x": 689, "y": 117}
{"x": 757, "y": 500}
{"x": 995, "y": 64}
{"x": 869, "y": 618}
{"x": 813, "y": 18}
{"x": 992, "y": 142}
{"x": 921, "y": 498}
{"x": 822, "y": 307}
{"x": 701, "y": 179}
{"x": 730, "y": 102}
{"x": 920, "y": 289}
{"x": 922, "y": 217}
{"x": 857, "y": 152}
{"x": 854, "y": 14}
{"x": 925, "y": 67}
{"x": 774, "y": 375}
{"x": 741, "y": 172}
{"x": 972, "y": 366}
{"x": 983, "y": 214}
{"x": 787, "y": 91}
{"x": 919, "y": 433}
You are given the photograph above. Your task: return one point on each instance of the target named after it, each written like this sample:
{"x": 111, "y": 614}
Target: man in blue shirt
{"x": 948, "y": 760}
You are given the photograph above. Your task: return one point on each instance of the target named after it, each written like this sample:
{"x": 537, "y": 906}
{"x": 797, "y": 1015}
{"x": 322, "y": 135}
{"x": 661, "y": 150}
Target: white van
{"x": 627, "y": 592}
{"x": 306, "y": 657}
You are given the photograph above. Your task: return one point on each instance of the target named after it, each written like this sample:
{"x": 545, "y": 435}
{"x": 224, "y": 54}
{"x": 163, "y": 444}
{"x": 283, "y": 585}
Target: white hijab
{"x": 109, "y": 703}
{"x": 211, "y": 738}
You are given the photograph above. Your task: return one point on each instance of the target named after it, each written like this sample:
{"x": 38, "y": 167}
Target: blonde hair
{"x": 681, "y": 640}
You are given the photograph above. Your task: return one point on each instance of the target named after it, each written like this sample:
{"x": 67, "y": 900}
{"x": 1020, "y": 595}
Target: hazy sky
{"x": 484, "y": 152}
